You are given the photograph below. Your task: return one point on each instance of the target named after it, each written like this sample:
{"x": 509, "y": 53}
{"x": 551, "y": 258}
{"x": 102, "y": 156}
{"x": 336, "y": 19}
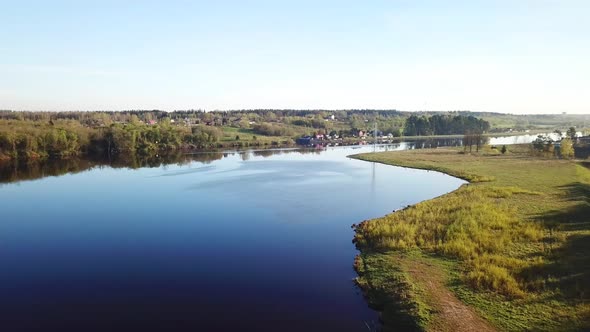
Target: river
{"x": 242, "y": 240}
{"x": 233, "y": 241}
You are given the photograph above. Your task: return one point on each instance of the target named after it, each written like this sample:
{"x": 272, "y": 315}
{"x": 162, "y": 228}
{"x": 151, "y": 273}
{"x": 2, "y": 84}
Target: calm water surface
{"x": 253, "y": 241}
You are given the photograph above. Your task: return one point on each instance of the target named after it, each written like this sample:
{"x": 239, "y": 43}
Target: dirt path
{"x": 450, "y": 313}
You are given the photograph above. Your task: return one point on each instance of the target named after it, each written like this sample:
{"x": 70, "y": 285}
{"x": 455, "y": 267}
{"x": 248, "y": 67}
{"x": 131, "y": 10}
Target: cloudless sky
{"x": 517, "y": 56}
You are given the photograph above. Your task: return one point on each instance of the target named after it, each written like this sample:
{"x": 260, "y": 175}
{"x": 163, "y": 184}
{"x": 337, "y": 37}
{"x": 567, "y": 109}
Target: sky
{"x": 514, "y": 56}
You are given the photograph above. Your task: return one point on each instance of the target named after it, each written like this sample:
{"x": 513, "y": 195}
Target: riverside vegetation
{"x": 511, "y": 247}
{"x": 59, "y": 135}
{"x": 41, "y": 135}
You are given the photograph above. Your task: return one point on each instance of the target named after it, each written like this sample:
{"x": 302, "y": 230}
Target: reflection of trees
{"x": 31, "y": 170}
{"x": 305, "y": 151}
{"x": 265, "y": 153}
{"x": 140, "y": 161}
{"x": 433, "y": 143}
{"x": 15, "y": 171}
{"x": 245, "y": 155}
{"x": 273, "y": 152}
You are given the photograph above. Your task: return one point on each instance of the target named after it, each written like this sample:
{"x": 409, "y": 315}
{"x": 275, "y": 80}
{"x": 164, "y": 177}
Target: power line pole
{"x": 375, "y": 136}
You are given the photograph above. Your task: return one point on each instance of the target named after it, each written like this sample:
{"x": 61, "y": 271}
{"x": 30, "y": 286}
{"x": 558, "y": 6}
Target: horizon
{"x": 298, "y": 109}
{"x": 503, "y": 57}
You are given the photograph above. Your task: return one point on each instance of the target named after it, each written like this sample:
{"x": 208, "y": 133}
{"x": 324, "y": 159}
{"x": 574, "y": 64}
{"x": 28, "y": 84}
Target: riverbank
{"x": 28, "y": 136}
{"x": 509, "y": 251}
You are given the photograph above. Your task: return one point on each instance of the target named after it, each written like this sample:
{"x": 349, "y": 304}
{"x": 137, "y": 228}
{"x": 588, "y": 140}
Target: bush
{"x": 494, "y": 278}
{"x": 273, "y": 130}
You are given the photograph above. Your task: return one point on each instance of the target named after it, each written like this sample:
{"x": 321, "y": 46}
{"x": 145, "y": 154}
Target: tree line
{"x": 563, "y": 147}
{"x": 41, "y": 135}
{"x": 26, "y": 139}
{"x": 444, "y": 125}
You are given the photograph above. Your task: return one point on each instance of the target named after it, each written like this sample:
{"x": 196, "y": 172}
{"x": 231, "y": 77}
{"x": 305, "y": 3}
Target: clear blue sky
{"x": 518, "y": 56}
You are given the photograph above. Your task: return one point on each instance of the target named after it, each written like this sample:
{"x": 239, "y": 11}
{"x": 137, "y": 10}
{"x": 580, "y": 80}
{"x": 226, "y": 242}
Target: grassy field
{"x": 248, "y": 135}
{"x": 512, "y": 247}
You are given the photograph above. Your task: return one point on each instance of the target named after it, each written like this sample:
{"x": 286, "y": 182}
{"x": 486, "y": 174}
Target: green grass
{"x": 519, "y": 234}
{"x": 247, "y": 137}
{"x": 390, "y": 290}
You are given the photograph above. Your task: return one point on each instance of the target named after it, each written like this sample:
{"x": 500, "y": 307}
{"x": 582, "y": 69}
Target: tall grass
{"x": 518, "y": 236}
{"x": 473, "y": 224}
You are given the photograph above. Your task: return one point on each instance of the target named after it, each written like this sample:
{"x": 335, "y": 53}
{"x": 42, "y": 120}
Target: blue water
{"x": 249, "y": 242}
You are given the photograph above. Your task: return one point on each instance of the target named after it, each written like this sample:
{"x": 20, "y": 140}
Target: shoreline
{"x": 408, "y": 312}
{"x": 389, "y": 271}
{"x": 265, "y": 143}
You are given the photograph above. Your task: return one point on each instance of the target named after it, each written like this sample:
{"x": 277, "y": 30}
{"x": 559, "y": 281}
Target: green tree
{"x": 503, "y": 149}
{"x": 571, "y": 133}
{"x": 543, "y": 145}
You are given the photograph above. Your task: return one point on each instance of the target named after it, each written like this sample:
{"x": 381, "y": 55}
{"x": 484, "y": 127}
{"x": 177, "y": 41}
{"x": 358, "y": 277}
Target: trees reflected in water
{"x": 31, "y": 170}
{"x": 23, "y": 171}
{"x": 15, "y": 171}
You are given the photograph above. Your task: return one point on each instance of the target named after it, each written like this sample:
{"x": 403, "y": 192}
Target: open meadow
{"x": 509, "y": 251}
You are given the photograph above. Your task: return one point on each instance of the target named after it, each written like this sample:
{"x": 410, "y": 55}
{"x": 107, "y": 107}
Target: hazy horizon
{"x": 293, "y": 109}
{"x": 525, "y": 57}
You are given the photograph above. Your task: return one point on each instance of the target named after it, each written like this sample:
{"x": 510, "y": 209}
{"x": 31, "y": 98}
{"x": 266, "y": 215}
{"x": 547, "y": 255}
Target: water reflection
{"x": 13, "y": 172}
{"x": 23, "y": 171}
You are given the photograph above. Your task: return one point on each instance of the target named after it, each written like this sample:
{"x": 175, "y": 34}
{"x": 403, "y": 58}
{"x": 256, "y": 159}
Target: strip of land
{"x": 509, "y": 251}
